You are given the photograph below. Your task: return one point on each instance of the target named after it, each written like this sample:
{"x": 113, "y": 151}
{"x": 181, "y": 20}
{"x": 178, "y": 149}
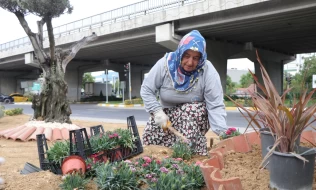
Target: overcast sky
{"x": 12, "y": 30}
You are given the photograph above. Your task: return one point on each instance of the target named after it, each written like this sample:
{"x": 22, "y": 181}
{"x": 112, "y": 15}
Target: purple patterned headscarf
{"x": 183, "y": 80}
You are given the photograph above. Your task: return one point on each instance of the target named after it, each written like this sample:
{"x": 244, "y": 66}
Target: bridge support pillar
{"x": 72, "y": 78}
{"x": 218, "y": 52}
{"x": 166, "y": 37}
{"x": 273, "y": 62}
{"x": 8, "y": 85}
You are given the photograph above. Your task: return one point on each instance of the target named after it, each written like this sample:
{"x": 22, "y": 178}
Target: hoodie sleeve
{"x": 213, "y": 94}
{"x": 151, "y": 85}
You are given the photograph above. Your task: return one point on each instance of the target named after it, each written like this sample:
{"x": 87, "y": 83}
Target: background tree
{"x": 230, "y": 85}
{"x": 87, "y": 77}
{"x": 51, "y": 104}
{"x": 304, "y": 78}
{"x": 246, "y": 80}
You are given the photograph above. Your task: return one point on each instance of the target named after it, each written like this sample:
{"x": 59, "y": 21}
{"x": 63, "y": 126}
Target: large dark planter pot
{"x": 290, "y": 173}
{"x": 267, "y": 139}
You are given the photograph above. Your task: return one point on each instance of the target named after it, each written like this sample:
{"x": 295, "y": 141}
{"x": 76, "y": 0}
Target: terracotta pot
{"x": 72, "y": 164}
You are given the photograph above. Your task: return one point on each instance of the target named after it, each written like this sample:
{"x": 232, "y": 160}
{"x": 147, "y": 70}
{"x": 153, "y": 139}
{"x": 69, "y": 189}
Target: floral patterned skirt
{"x": 190, "y": 119}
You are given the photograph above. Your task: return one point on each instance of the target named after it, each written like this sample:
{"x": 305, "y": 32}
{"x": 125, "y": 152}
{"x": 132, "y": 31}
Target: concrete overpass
{"x": 141, "y": 33}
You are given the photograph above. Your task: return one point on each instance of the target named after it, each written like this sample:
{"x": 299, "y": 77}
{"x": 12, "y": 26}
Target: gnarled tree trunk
{"x": 51, "y": 104}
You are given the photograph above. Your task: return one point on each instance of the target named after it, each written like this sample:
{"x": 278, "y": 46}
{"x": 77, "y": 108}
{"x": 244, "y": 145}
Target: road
{"x": 93, "y": 112}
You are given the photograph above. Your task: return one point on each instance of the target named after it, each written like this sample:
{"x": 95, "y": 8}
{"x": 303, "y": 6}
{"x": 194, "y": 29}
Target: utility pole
{"x": 106, "y": 86}
{"x": 127, "y": 71}
{"x": 129, "y": 81}
{"x": 113, "y": 82}
{"x": 288, "y": 79}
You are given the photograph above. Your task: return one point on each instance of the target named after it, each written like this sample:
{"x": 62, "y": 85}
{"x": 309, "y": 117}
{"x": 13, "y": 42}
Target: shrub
{"x": 1, "y": 111}
{"x": 58, "y": 151}
{"x": 29, "y": 96}
{"x": 128, "y": 102}
{"x": 74, "y": 181}
{"x": 133, "y": 101}
{"x": 116, "y": 176}
{"x": 137, "y": 101}
{"x": 169, "y": 173}
{"x": 15, "y": 111}
{"x": 112, "y": 139}
{"x": 181, "y": 150}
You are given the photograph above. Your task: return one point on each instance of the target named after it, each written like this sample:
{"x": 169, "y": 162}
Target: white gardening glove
{"x": 161, "y": 118}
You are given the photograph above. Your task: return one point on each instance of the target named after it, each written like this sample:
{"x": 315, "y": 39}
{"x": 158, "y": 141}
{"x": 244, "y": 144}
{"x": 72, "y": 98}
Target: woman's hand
{"x": 161, "y": 118}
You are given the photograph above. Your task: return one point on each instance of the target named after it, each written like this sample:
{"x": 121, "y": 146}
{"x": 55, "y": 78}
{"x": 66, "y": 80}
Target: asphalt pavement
{"x": 93, "y": 112}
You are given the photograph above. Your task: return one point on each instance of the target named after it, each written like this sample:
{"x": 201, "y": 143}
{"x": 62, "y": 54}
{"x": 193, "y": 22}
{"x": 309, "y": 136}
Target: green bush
{"x": 58, "y": 151}
{"x": 116, "y": 176}
{"x": 137, "y": 101}
{"x": 74, "y": 181}
{"x": 128, "y": 102}
{"x": 99, "y": 99}
{"x": 133, "y": 101}
{"x": 29, "y": 96}
{"x": 1, "y": 111}
{"x": 182, "y": 150}
{"x": 15, "y": 111}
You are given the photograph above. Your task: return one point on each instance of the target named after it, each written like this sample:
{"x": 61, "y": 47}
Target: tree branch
{"x": 51, "y": 38}
{"x": 74, "y": 49}
{"x": 40, "y": 35}
{"x": 39, "y": 52}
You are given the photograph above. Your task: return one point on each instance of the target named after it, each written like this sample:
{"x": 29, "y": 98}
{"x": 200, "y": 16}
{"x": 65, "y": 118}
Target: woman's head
{"x": 187, "y": 61}
{"x": 190, "y": 59}
{"x": 191, "y": 52}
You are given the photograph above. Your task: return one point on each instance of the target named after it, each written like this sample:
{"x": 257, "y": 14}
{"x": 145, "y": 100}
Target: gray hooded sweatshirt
{"x": 208, "y": 89}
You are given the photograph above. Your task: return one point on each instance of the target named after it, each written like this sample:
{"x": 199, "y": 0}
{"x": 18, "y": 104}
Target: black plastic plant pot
{"x": 267, "y": 139}
{"x": 30, "y": 168}
{"x": 288, "y": 172}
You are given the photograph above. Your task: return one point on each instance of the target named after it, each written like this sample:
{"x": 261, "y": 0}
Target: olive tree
{"x": 51, "y": 104}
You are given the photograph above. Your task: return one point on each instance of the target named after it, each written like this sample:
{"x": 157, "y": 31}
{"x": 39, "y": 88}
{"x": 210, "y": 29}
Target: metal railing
{"x": 99, "y": 20}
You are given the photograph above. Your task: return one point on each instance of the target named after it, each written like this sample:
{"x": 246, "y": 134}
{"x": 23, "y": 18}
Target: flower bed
{"x": 101, "y": 147}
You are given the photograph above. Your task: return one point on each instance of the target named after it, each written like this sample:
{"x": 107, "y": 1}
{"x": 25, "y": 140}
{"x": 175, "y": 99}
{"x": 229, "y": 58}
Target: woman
{"x": 190, "y": 93}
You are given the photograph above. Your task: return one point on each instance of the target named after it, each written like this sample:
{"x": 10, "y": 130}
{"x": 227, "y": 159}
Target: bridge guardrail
{"x": 95, "y": 21}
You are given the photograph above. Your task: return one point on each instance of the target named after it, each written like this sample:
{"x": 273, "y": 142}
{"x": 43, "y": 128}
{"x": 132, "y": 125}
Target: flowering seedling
{"x": 182, "y": 150}
{"x": 231, "y": 132}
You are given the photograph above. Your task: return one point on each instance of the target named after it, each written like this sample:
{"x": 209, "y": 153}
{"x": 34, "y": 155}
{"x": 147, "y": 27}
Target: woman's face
{"x": 190, "y": 60}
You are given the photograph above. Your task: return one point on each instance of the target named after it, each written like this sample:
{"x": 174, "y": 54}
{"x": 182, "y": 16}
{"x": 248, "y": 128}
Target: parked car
{"x": 6, "y": 99}
{"x": 19, "y": 97}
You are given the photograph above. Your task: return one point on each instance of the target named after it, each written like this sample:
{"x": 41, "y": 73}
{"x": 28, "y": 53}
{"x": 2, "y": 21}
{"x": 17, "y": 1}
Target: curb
{"x": 27, "y": 103}
{"x": 121, "y": 106}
